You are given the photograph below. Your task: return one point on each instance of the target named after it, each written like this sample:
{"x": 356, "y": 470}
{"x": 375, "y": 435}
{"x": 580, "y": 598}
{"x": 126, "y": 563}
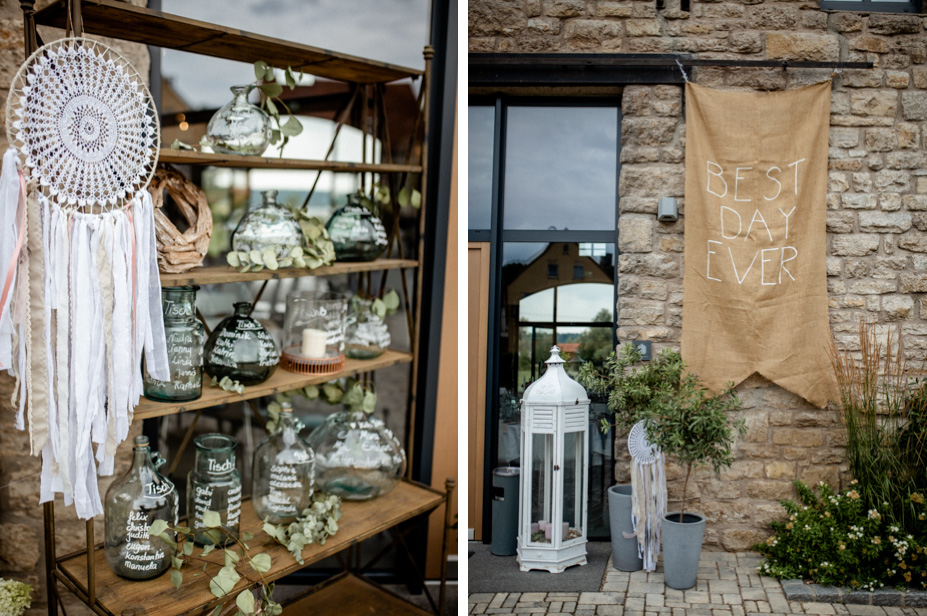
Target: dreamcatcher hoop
{"x": 84, "y": 125}
{"x": 640, "y": 448}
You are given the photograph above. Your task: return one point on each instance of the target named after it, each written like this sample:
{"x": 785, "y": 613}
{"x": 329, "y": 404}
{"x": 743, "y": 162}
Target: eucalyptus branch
{"x": 271, "y": 88}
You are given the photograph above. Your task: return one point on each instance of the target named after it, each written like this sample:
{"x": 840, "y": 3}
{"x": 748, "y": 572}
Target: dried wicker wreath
{"x": 180, "y": 252}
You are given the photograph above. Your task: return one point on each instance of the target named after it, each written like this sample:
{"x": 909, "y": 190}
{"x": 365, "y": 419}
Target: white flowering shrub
{"x": 15, "y": 597}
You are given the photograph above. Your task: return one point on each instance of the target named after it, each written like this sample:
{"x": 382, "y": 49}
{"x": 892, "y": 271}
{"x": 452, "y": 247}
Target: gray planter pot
{"x": 682, "y": 545}
{"x": 624, "y": 551}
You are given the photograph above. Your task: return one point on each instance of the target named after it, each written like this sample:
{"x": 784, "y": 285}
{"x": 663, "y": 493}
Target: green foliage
{"x": 680, "y": 415}
{"x": 222, "y": 582}
{"x": 319, "y": 250}
{"x": 15, "y": 597}
{"x": 315, "y": 524}
{"x": 356, "y": 396}
{"x": 595, "y": 345}
{"x": 885, "y": 415}
{"x": 271, "y": 87}
{"x": 228, "y": 384}
{"x": 832, "y": 538}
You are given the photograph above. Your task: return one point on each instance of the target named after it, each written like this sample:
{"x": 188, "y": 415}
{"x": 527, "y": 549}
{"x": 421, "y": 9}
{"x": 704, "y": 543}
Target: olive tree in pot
{"x": 686, "y": 422}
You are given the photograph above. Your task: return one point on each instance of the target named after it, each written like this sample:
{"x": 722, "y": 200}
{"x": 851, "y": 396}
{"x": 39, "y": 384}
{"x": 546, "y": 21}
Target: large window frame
{"x": 497, "y": 237}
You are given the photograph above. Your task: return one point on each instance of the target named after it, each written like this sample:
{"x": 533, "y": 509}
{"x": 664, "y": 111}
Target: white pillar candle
{"x": 314, "y": 343}
{"x": 566, "y": 530}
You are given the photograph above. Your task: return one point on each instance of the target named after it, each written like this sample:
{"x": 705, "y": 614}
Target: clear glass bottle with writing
{"x": 241, "y": 349}
{"x": 283, "y": 473}
{"x": 214, "y": 484}
{"x": 185, "y": 336}
{"x": 132, "y": 503}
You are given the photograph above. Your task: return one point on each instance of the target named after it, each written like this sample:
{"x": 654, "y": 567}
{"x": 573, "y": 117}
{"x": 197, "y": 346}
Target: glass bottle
{"x": 356, "y": 456}
{"x": 185, "y": 336}
{"x": 132, "y": 503}
{"x": 366, "y": 334}
{"x": 283, "y": 472}
{"x": 214, "y": 484}
{"x": 269, "y": 225}
{"x": 239, "y": 127}
{"x": 356, "y": 233}
{"x": 241, "y": 349}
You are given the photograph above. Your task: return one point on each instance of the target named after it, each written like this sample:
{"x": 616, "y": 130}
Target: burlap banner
{"x": 755, "y": 289}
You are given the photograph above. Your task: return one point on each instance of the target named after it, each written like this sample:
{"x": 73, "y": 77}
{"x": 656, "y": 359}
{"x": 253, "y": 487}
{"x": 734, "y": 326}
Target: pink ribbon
{"x": 20, "y": 213}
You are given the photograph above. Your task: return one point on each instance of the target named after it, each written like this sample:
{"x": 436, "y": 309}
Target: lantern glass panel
{"x": 542, "y": 486}
{"x": 314, "y": 326}
{"x": 573, "y": 482}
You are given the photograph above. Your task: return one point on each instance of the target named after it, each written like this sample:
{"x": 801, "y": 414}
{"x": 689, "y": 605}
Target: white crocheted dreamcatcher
{"x": 81, "y": 298}
{"x": 648, "y": 494}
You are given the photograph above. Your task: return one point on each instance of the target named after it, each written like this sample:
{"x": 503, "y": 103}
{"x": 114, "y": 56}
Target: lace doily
{"x": 640, "y": 448}
{"x": 84, "y": 124}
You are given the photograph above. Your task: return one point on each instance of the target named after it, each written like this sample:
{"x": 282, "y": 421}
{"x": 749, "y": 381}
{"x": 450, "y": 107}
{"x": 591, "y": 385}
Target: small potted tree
{"x": 686, "y": 422}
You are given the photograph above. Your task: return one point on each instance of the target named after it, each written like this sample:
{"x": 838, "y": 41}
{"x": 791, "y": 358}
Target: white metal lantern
{"x": 553, "y": 487}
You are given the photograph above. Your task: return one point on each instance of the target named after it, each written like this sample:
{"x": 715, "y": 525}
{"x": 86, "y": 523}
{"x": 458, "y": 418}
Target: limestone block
{"x": 880, "y": 139}
{"x": 914, "y": 329}
{"x": 635, "y": 233}
{"x": 742, "y": 539}
{"x": 797, "y": 437}
{"x": 814, "y": 20}
{"x": 892, "y": 180}
{"x": 780, "y": 470}
{"x": 565, "y": 8}
{"x": 915, "y": 203}
{"x": 888, "y": 267}
{"x": 859, "y": 202}
{"x": 919, "y": 73}
{"x": 654, "y": 264}
{"x": 757, "y": 426}
{"x": 636, "y": 100}
{"x": 651, "y": 181}
{"x": 920, "y": 222}
{"x": 897, "y": 79}
{"x": 722, "y": 10}
{"x": 773, "y": 17}
{"x": 743, "y": 469}
{"x": 906, "y": 160}
{"x": 874, "y": 102}
{"x": 909, "y": 135}
{"x": 869, "y": 43}
{"x": 895, "y": 61}
{"x": 897, "y": 307}
{"x": 862, "y": 182}
{"x": 828, "y": 456}
{"x": 481, "y": 44}
{"x": 495, "y": 17}
{"x": 855, "y": 120}
{"x": 653, "y": 289}
{"x": 840, "y": 222}
{"x": 861, "y": 78}
{"x": 672, "y": 243}
{"x": 914, "y": 105}
{"x": 833, "y": 266}
{"x": 812, "y": 475}
{"x": 836, "y": 287}
{"x": 655, "y": 333}
{"x": 889, "y": 202}
{"x": 533, "y": 8}
{"x": 764, "y": 513}
{"x": 544, "y": 25}
{"x": 755, "y": 451}
{"x": 888, "y": 23}
{"x": 915, "y": 242}
{"x": 715, "y": 489}
{"x": 745, "y": 42}
{"x": 725, "y": 511}
{"x": 839, "y": 103}
{"x": 798, "y": 453}
{"x": 801, "y": 46}
{"x": 872, "y": 287}
{"x": 845, "y": 22}
{"x": 847, "y": 301}
{"x": 837, "y": 182}
{"x": 640, "y": 312}
{"x": 844, "y": 137}
{"x": 586, "y": 34}
{"x": 769, "y": 489}
{"x": 884, "y": 222}
{"x": 640, "y": 205}
{"x": 648, "y": 131}
{"x": 636, "y": 154}
{"x": 764, "y": 79}
{"x": 613, "y": 9}
{"x": 642, "y": 27}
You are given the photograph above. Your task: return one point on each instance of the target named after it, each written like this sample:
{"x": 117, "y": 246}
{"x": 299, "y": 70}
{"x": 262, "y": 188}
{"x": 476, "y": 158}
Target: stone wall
{"x": 877, "y": 199}
{"x": 21, "y": 528}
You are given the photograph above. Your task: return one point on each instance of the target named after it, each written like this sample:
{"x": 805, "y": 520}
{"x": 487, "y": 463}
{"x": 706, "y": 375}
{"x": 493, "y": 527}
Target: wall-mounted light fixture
{"x": 666, "y": 210}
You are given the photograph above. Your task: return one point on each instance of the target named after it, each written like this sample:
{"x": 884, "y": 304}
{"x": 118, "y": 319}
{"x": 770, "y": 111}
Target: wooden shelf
{"x": 349, "y": 595}
{"x": 220, "y": 274}
{"x": 158, "y": 597}
{"x": 280, "y": 381}
{"x": 142, "y": 25}
{"x": 189, "y": 157}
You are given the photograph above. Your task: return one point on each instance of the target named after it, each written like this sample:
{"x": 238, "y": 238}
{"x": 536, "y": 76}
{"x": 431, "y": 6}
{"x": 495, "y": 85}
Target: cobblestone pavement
{"x": 727, "y": 585}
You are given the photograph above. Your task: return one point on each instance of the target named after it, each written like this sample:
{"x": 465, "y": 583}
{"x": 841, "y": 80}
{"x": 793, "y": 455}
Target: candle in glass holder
{"x": 314, "y": 343}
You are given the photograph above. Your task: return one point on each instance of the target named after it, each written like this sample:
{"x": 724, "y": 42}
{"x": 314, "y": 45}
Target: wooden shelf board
{"x": 349, "y": 595}
{"x": 220, "y": 274}
{"x": 157, "y": 597}
{"x": 189, "y": 157}
{"x": 142, "y": 25}
{"x": 280, "y": 381}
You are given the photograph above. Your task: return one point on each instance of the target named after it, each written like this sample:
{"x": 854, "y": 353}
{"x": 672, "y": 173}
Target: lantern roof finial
{"x": 555, "y": 386}
{"x": 554, "y": 356}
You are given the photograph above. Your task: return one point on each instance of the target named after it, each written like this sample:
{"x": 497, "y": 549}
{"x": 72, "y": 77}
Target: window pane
{"x": 479, "y": 161}
{"x": 561, "y": 168}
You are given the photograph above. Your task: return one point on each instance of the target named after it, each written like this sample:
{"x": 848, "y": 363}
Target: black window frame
{"x": 867, "y": 6}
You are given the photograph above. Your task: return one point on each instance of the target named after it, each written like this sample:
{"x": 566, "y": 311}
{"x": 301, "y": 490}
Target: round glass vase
{"x": 283, "y": 472}
{"x": 185, "y": 336}
{"x": 356, "y": 456}
{"x": 366, "y": 335}
{"x": 214, "y": 484}
{"x": 239, "y": 127}
{"x": 269, "y": 225}
{"x": 356, "y": 233}
{"x": 241, "y": 349}
{"x": 313, "y": 333}
{"x": 133, "y": 502}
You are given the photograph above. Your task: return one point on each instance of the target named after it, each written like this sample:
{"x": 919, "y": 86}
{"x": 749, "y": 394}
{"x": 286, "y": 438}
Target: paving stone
{"x": 865, "y": 610}
{"x": 857, "y": 597}
{"x": 737, "y": 610}
{"x": 827, "y": 594}
{"x": 554, "y": 607}
{"x": 609, "y": 610}
{"x": 634, "y": 603}
{"x": 694, "y": 596}
{"x": 755, "y": 594}
{"x": 479, "y": 608}
{"x": 732, "y": 599}
{"x": 723, "y": 586}
{"x": 818, "y": 608}
{"x": 885, "y": 596}
{"x": 916, "y": 599}
{"x": 796, "y": 590}
{"x": 480, "y": 597}
{"x": 511, "y": 600}
{"x": 598, "y": 598}
{"x": 654, "y": 600}
{"x": 532, "y": 596}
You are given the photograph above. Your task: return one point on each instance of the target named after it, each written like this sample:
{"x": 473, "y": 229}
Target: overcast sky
{"x": 392, "y": 31}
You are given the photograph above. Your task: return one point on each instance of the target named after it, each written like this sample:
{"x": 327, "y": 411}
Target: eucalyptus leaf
{"x": 296, "y": 251}
{"x": 290, "y": 78}
{"x": 257, "y": 268}
{"x": 232, "y": 259}
{"x": 176, "y": 563}
{"x": 313, "y": 262}
{"x": 218, "y": 609}
{"x": 311, "y": 392}
{"x": 256, "y": 257}
{"x": 291, "y": 127}
{"x": 274, "y": 136}
{"x": 157, "y": 527}
{"x": 245, "y": 601}
{"x": 354, "y": 396}
{"x": 271, "y": 108}
{"x": 261, "y": 562}
{"x": 378, "y": 307}
{"x": 271, "y": 261}
{"x": 188, "y": 548}
{"x": 207, "y": 549}
{"x": 404, "y": 196}
{"x": 382, "y": 194}
{"x": 391, "y": 300}
{"x": 271, "y": 89}
{"x": 176, "y": 578}
{"x": 299, "y": 262}
{"x": 259, "y": 68}
{"x": 212, "y": 518}
{"x": 269, "y": 74}
{"x": 166, "y": 538}
{"x": 230, "y": 558}
{"x": 286, "y": 262}
{"x": 370, "y": 402}
{"x": 221, "y": 586}
{"x": 332, "y": 393}
{"x": 416, "y": 200}
{"x": 214, "y": 534}
{"x": 244, "y": 257}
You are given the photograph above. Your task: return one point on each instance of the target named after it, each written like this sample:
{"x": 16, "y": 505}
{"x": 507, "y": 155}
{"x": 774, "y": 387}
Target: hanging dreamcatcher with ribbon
{"x": 81, "y": 296}
{"x": 648, "y": 494}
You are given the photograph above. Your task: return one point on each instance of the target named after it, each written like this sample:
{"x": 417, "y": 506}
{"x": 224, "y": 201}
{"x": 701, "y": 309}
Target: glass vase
{"x": 356, "y": 456}
{"x": 239, "y": 127}
{"x": 269, "y": 225}
{"x": 185, "y": 337}
{"x": 241, "y": 349}
{"x": 356, "y": 233}
{"x": 313, "y": 332}
{"x": 214, "y": 484}
{"x": 132, "y": 503}
{"x": 282, "y": 472}
{"x": 366, "y": 334}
